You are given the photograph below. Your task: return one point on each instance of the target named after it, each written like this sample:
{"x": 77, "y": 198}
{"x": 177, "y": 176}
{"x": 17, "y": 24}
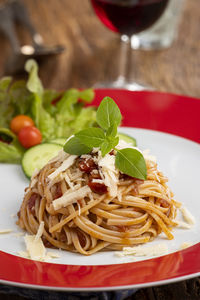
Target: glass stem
{"x": 123, "y": 58}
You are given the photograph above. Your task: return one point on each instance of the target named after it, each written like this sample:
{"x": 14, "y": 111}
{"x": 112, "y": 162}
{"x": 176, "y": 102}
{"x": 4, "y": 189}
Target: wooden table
{"x": 91, "y": 56}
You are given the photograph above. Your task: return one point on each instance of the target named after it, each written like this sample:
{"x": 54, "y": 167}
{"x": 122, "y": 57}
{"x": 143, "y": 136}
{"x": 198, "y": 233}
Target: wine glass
{"x": 127, "y": 17}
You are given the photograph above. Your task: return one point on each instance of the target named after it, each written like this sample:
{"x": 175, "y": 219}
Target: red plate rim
{"x": 175, "y": 114}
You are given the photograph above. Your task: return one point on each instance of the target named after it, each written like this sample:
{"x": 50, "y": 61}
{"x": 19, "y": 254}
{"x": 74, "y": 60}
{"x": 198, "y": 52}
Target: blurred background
{"x": 91, "y": 53}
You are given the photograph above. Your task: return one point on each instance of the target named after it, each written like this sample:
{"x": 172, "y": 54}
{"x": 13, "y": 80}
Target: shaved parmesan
{"x": 188, "y": 217}
{"x": 183, "y": 225}
{"x": 18, "y": 234}
{"x": 148, "y": 156}
{"x": 52, "y": 255}
{"x": 23, "y": 254}
{"x": 97, "y": 180}
{"x": 109, "y": 173}
{"x": 35, "y": 173}
{"x": 86, "y": 156}
{"x": 13, "y": 215}
{"x": 64, "y": 166}
{"x": 4, "y": 231}
{"x": 47, "y": 257}
{"x": 123, "y": 144}
{"x": 35, "y": 247}
{"x": 33, "y": 182}
{"x": 71, "y": 197}
{"x": 67, "y": 179}
{"x": 108, "y": 162}
{"x": 40, "y": 231}
{"x": 156, "y": 250}
{"x": 62, "y": 155}
{"x": 185, "y": 245}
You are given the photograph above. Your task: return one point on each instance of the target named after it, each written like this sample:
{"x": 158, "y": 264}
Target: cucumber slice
{"x": 59, "y": 141}
{"x": 37, "y": 156}
{"x": 127, "y": 138}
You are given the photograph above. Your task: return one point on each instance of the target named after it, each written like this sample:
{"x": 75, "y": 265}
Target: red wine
{"x": 129, "y": 16}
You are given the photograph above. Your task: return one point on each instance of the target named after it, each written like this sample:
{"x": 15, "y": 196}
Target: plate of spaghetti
{"x": 106, "y": 214}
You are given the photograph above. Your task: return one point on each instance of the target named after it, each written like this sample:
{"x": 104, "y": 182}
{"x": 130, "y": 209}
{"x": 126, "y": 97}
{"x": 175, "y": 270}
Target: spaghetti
{"x": 87, "y": 205}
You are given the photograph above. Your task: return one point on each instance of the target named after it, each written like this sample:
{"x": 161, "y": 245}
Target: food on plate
{"x": 19, "y": 122}
{"x": 36, "y": 157}
{"x": 29, "y": 136}
{"x": 27, "y": 103}
{"x": 99, "y": 193}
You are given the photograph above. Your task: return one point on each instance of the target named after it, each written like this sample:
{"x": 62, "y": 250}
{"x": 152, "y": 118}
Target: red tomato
{"x": 19, "y": 122}
{"x": 29, "y": 136}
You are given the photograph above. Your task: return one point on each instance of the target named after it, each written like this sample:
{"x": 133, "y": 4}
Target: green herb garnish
{"x": 129, "y": 161}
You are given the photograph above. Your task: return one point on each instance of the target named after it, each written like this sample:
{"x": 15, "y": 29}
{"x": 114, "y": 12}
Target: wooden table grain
{"x": 92, "y": 56}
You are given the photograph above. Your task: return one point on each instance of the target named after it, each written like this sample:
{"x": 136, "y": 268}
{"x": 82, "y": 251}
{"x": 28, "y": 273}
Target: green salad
{"x": 55, "y": 115}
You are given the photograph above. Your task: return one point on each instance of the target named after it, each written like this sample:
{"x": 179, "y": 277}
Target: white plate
{"x": 178, "y": 159}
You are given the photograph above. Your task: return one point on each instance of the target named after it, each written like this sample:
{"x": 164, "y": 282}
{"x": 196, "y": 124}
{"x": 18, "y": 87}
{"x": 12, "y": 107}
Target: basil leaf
{"x": 74, "y": 146}
{"x": 112, "y": 130}
{"x": 115, "y": 141}
{"x": 91, "y": 137}
{"x": 108, "y": 113}
{"x": 131, "y": 162}
{"x": 108, "y": 145}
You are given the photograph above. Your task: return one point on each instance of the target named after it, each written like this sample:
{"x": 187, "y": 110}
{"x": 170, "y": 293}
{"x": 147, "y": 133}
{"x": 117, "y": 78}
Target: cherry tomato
{"x": 29, "y": 136}
{"x": 19, "y": 122}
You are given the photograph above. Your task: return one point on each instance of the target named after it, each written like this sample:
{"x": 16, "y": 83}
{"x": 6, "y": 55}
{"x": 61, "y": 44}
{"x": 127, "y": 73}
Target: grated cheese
{"x": 123, "y": 144}
{"x": 67, "y": 179}
{"x": 64, "y": 166}
{"x": 4, "y": 231}
{"x": 35, "y": 247}
{"x": 109, "y": 173}
{"x": 155, "y": 250}
{"x": 97, "y": 180}
{"x": 182, "y": 224}
{"x": 13, "y": 215}
{"x": 188, "y": 217}
{"x": 23, "y": 254}
{"x": 148, "y": 156}
{"x": 47, "y": 257}
{"x": 62, "y": 155}
{"x": 185, "y": 245}
{"x": 18, "y": 234}
{"x": 71, "y": 197}
{"x": 86, "y": 156}
{"x": 52, "y": 255}
{"x": 33, "y": 182}
{"x": 40, "y": 231}
{"x": 35, "y": 173}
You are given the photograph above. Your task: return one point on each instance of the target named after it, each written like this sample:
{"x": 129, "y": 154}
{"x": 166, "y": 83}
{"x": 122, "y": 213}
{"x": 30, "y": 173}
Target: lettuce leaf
{"x": 6, "y": 109}
{"x": 10, "y": 149}
{"x": 42, "y": 119}
{"x": 56, "y": 114}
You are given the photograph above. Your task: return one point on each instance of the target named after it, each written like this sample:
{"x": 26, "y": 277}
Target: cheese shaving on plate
{"x": 185, "y": 245}
{"x": 183, "y": 225}
{"x": 35, "y": 247}
{"x": 188, "y": 217}
{"x": 156, "y": 250}
{"x": 4, "y": 231}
